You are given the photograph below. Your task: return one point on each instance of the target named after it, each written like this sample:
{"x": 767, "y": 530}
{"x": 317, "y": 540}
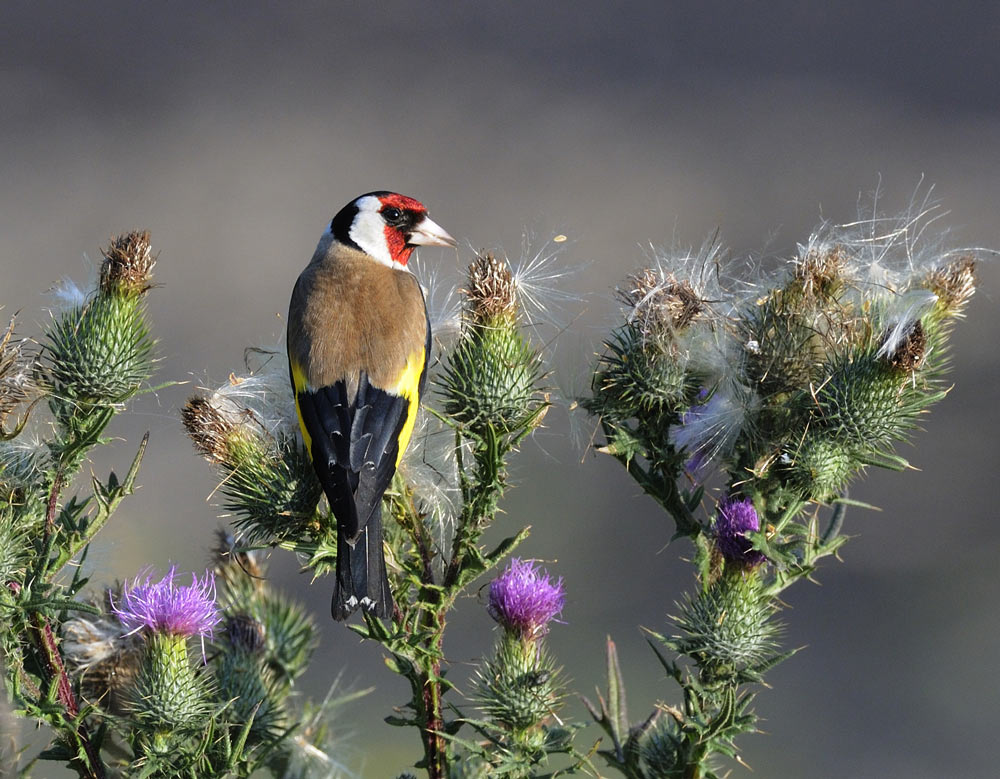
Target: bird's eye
{"x": 392, "y": 215}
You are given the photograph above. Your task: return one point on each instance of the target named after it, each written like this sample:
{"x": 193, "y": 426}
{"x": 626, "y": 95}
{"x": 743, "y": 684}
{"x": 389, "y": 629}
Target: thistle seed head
{"x": 16, "y": 367}
{"x": 659, "y": 302}
{"x": 953, "y": 284}
{"x": 492, "y": 293}
{"x": 209, "y": 428}
{"x": 128, "y": 264}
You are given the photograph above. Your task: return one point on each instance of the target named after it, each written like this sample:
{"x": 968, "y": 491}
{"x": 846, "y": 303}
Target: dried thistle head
{"x": 208, "y": 428}
{"x": 954, "y": 284}
{"x": 660, "y": 302}
{"x": 821, "y": 270}
{"x": 492, "y": 290}
{"x": 246, "y": 633}
{"x": 16, "y": 385}
{"x": 128, "y": 264}
{"x": 223, "y": 435}
{"x": 909, "y": 349}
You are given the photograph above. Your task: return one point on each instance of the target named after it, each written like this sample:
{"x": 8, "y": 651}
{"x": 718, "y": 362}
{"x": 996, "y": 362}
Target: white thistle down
{"x": 263, "y": 392}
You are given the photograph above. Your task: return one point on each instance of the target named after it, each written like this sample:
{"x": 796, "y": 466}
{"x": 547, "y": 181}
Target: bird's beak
{"x": 430, "y": 233}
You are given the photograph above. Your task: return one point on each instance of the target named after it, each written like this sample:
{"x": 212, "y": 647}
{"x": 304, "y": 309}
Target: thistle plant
{"x": 780, "y": 388}
{"x": 488, "y": 399}
{"x": 519, "y": 688}
{"x": 168, "y": 698}
{"x": 155, "y": 677}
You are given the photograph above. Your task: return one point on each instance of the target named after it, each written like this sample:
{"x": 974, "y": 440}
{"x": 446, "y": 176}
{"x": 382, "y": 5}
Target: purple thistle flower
{"x": 524, "y": 599}
{"x": 165, "y": 608}
{"x": 736, "y": 517}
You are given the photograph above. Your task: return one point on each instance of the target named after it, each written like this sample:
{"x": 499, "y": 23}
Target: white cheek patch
{"x": 368, "y": 230}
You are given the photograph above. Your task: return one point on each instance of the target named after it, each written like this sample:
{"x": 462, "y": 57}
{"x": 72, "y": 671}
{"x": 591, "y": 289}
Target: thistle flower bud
{"x": 491, "y": 377}
{"x": 735, "y": 518}
{"x": 244, "y": 680}
{"x": 727, "y": 627}
{"x": 100, "y": 351}
{"x": 286, "y": 629}
{"x": 862, "y": 402}
{"x": 168, "y": 692}
{"x": 820, "y": 467}
{"x": 518, "y": 688}
{"x": 639, "y": 376}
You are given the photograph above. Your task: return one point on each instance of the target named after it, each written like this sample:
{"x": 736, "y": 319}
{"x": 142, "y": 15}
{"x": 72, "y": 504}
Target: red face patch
{"x": 395, "y": 234}
{"x": 402, "y": 202}
{"x": 396, "y": 242}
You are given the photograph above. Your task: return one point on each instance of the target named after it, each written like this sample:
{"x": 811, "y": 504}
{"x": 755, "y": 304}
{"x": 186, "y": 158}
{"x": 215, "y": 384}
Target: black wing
{"x": 355, "y": 445}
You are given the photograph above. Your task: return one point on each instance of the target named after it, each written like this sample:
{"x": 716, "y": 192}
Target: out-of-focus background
{"x": 234, "y": 131}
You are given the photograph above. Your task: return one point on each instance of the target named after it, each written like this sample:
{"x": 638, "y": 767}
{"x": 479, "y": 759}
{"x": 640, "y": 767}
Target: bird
{"x": 359, "y": 340}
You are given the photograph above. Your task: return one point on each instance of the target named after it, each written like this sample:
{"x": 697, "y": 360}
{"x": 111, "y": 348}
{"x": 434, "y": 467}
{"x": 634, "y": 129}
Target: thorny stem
{"x": 480, "y": 492}
{"x": 434, "y": 744}
{"x": 479, "y": 499}
{"x": 50, "y": 510}
{"x": 46, "y": 642}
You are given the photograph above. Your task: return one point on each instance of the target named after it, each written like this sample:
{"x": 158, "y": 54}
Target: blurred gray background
{"x": 234, "y": 131}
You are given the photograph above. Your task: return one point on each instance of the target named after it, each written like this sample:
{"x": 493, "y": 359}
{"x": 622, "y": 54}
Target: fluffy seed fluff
{"x": 820, "y": 363}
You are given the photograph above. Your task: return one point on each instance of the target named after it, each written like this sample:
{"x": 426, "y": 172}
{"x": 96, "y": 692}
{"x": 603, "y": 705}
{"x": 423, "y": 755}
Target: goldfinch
{"x": 358, "y": 344}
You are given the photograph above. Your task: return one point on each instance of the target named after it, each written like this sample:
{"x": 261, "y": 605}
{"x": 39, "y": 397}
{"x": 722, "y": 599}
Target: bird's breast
{"x": 350, "y": 315}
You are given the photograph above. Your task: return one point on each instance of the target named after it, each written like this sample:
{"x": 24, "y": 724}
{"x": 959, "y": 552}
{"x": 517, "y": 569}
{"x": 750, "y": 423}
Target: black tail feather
{"x": 361, "y": 576}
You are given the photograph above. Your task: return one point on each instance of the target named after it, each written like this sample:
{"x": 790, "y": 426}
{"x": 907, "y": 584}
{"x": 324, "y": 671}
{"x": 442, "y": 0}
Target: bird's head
{"x": 387, "y": 227}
